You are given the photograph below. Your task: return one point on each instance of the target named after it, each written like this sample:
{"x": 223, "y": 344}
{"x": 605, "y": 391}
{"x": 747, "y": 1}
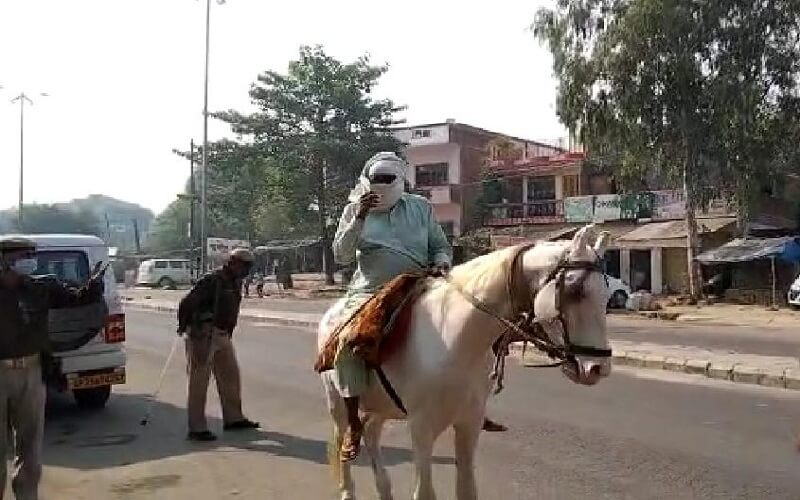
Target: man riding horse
{"x": 386, "y": 232}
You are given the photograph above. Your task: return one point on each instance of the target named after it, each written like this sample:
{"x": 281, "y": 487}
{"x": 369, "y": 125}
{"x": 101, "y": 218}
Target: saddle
{"x": 377, "y": 329}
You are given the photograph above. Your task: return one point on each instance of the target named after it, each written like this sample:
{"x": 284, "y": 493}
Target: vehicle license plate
{"x": 96, "y": 380}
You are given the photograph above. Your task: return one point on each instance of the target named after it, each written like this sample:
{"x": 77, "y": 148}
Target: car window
{"x": 70, "y": 266}
{"x": 176, "y": 264}
{"x": 161, "y": 264}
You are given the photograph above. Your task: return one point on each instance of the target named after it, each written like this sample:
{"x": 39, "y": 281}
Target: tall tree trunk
{"x": 742, "y": 206}
{"x": 692, "y": 237}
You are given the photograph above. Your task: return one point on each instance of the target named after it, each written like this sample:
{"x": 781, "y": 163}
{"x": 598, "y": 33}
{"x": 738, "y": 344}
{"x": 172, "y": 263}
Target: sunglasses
{"x": 383, "y": 178}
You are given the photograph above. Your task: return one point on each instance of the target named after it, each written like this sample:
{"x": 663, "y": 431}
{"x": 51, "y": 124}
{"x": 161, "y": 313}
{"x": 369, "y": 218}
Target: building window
{"x": 541, "y": 188}
{"x": 571, "y": 186}
{"x": 432, "y": 174}
{"x": 422, "y": 133}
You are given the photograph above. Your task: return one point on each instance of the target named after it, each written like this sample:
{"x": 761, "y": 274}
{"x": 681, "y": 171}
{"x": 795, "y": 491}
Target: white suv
{"x": 165, "y": 273}
{"x": 87, "y": 341}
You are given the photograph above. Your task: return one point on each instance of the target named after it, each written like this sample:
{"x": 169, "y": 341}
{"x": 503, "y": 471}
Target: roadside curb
{"x": 775, "y": 376}
{"x": 274, "y": 319}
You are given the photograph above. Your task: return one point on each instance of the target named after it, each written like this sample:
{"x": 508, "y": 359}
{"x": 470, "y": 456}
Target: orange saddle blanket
{"x": 379, "y": 327}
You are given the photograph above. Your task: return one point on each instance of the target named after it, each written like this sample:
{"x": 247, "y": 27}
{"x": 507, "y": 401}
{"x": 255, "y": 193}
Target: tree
{"x": 170, "y": 230}
{"x": 41, "y": 219}
{"x": 647, "y": 85}
{"x": 315, "y": 127}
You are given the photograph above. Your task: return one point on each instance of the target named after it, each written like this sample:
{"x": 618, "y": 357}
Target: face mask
{"x": 389, "y": 194}
{"x": 25, "y": 266}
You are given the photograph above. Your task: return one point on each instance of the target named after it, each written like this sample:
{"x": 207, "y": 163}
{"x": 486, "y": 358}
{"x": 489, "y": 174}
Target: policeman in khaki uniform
{"x": 24, "y": 305}
{"x": 208, "y": 315}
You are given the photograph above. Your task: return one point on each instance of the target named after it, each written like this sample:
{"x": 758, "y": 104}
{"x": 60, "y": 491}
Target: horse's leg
{"x": 422, "y": 439}
{"x": 342, "y": 471}
{"x": 466, "y": 441}
{"x": 372, "y": 441}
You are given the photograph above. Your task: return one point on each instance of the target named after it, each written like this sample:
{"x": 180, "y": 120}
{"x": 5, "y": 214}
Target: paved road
{"x": 768, "y": 341}
{"x": 638, "y": 435}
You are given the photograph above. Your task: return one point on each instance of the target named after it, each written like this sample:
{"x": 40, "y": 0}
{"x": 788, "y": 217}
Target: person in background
{"x": 259, "y": 280}
{"x": 24, "y": 348}
{"x": 207, "y": 315}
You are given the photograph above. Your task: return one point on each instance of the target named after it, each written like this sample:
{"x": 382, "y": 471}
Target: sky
{"x": 124, "y": 78}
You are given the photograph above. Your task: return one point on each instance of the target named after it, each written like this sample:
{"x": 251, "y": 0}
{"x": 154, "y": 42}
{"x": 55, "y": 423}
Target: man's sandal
{"x": 351, "y": 446}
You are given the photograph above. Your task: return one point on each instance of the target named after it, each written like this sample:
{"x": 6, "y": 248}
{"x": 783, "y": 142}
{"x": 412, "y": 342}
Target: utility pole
{"x": 193, "y": 194}
{"x": 22, "y": 98}
{"x": 204, "y": 159}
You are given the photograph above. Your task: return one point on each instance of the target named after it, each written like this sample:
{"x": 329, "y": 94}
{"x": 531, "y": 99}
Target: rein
{"x": 524, "y": 326}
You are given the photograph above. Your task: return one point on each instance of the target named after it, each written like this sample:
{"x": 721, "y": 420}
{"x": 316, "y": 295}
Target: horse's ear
{"x": 582, "y": 239}
{"x": 601, "y": 244}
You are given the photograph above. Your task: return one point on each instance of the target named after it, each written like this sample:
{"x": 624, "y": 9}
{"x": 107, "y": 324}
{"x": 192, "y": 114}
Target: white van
{"x": 88, "y": 341}
{"x": 164, "y": 273}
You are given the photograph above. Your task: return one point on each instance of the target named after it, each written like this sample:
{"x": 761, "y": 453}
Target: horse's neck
{"x": 471, "y": 329}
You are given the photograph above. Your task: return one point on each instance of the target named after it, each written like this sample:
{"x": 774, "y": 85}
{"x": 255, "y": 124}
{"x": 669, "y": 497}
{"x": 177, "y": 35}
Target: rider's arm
{"x": 346, "y": 239}
{"x": 439, "y": 251}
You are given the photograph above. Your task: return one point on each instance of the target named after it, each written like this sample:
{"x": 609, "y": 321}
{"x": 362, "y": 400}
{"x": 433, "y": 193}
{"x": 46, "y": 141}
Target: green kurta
{"x": 384, "y": 245}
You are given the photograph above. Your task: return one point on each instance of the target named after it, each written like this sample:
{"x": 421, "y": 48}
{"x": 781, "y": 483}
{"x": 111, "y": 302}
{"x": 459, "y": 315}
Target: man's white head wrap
{"x": 382, "y": 164}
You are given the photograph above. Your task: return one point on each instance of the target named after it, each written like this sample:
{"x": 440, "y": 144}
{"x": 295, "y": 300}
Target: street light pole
{"x": 192, "y": 201}
{"x": 21, "y": 98}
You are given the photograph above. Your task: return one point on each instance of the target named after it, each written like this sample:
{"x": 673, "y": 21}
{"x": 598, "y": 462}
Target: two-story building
{"x": 447, "y": 160}
{"x": 550, "y": 197}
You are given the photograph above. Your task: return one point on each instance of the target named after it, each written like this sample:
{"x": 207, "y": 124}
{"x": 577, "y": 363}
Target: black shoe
{"x": 492, "y": 426}
{"x": 240, "y": 425}
{"x": 202, "y": 436}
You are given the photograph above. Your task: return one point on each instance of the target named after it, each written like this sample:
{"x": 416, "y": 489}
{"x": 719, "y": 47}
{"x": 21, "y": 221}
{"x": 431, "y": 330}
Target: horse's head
{"x": 570, "y": 303}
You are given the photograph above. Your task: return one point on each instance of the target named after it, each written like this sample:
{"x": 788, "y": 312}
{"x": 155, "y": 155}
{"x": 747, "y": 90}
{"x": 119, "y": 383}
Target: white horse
{"x": 442, "y": 372}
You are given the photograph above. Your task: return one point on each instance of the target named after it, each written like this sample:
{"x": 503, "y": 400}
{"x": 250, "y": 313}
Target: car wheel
{"x": 167, "y": 283}
{"x": 618, "y": 300}
{"x": 794, "y": 307}
{"x": 92, "y": 399}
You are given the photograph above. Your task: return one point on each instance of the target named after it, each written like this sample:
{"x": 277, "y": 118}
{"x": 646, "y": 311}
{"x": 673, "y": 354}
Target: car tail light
{"x": 115, "y": 329}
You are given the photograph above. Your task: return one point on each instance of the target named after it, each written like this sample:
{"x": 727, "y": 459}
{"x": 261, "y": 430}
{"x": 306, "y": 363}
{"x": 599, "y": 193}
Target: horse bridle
{"x": 532, "y": 329}
{"x": 524, "y": 326}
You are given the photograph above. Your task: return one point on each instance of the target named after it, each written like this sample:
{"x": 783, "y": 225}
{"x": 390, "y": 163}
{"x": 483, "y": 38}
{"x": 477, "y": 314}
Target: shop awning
{"x": 672, "y": 233}
{"x": 745, "y": 250}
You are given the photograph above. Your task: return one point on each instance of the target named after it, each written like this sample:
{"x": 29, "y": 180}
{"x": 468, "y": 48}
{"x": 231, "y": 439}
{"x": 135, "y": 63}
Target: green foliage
{"x": 115, "y": 218}
{"x": 296, "y": 157}
{"x": 663, "y": 88}
{"x": 41, "y": 219}
{"x": 317, "y": 125}
{"x": 314, "y": 128}
{"x": 686, "y": 92}
{"x": 170, "y": 230}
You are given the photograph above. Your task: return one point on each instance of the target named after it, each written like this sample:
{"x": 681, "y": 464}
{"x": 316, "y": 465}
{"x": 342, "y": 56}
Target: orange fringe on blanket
{"x": 379, "y": 327}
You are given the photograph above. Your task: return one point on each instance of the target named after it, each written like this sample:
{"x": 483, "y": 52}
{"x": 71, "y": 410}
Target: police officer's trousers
{"x": 22, "y": 400}
{"x": 211, "y": 351}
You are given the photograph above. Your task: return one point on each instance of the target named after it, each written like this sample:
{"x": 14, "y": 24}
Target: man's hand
{"x": 440, "y": 269}
{"x": 367, "y": 202}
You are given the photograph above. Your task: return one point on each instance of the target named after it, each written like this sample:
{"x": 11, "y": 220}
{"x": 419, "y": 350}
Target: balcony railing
{"x": 535, "y": 212}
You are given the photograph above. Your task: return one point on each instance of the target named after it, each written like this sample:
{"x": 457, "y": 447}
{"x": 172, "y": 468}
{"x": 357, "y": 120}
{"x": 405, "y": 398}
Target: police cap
{"x": 242, "y": 255}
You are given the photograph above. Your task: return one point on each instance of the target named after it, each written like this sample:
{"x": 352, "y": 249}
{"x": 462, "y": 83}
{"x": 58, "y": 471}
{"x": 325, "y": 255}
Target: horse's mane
{"x": 482, "y": 271}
